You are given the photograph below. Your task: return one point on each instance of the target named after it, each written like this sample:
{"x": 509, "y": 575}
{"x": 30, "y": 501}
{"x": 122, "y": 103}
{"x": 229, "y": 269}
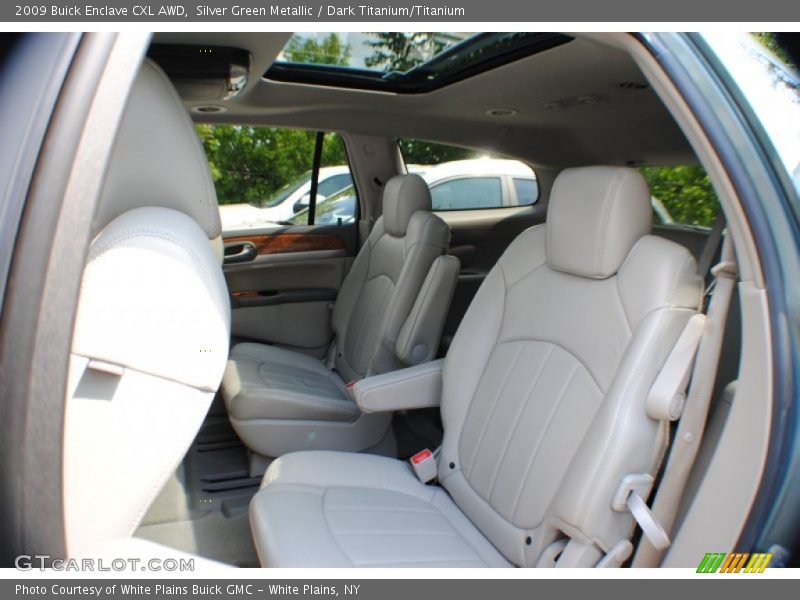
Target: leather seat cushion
{"x": 265, "y": 382}
{"x": 336, "y": 509}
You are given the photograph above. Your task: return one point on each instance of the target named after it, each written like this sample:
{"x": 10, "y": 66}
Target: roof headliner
{"x": 625, "y": 125}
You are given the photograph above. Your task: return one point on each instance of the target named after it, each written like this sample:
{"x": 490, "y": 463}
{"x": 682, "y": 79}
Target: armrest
{"x": 405, "y": 389}
{"x": 418, "y": 340}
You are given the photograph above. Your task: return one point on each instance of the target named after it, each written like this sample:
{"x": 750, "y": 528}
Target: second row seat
{"x": 388, "y": 315}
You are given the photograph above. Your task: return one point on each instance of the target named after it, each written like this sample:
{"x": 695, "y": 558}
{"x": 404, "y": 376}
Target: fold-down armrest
{"x": 419, "y": 386}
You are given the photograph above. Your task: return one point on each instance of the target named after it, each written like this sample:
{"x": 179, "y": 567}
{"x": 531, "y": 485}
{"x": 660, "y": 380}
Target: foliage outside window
{"x": 685, "y": 192}
{"x": 263, "y": 175}
{"x": 253, "y": 164}
{"x": 329, "y": 51}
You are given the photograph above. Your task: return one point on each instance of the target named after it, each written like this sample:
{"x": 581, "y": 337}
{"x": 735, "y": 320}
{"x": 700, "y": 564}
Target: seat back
{"x": 546, "y": 380}
{"x": 152, "y": 329}
{"x": 379, "y": 294}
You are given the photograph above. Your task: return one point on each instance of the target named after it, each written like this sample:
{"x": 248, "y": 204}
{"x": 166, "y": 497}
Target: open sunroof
{"x": 401, "y": 62}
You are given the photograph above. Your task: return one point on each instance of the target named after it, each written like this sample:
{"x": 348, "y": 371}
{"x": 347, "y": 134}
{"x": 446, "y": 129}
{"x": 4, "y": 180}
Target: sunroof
{"x": 379, "y": 52}
{"x": 401, "y": 62}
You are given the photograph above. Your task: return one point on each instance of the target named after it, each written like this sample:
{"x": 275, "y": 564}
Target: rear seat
{"x": 389, "y": 314}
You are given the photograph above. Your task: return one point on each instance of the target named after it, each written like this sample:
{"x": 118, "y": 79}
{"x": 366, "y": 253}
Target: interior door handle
{"x": 239, "y": 252}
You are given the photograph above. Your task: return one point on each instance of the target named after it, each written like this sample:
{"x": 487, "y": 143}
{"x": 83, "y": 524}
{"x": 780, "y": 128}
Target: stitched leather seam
{"x": 554, "y": 410}
{"x": 146, "y": 232}
{"x": 567, "y": 350}
{"x": 487, "y": 422}
{"x": 485, "y": 365}
{"x": 520, "y": 410}
{"x": 330, "y": 531}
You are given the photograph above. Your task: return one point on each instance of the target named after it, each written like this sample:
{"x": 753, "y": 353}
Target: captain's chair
{"x": 544, "y": 397}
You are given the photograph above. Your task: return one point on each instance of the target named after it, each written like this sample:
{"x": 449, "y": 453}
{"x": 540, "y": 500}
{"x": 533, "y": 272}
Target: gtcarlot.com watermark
{"x": 41, "y": 562}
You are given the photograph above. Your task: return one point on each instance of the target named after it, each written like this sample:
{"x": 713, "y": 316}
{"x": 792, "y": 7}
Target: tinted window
{"x": 340, "y": 207}
{"x": 333, "y": 184}
{"x": 469, "y": 179}
{"x": 467, "y": 193}
{"x": 527, "y": 191}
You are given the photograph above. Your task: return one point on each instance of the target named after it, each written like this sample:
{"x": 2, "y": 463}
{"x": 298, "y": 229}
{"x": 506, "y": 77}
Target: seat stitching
{"x": 486, "y": 364}
{"x": 328, "y": 526}
{"x": 550, "y": 417}
{"x": 489, "y": 418}
{"x": 517, "y": 421}
{"x": 526, "y": 275}
{"x": 567, "y": 350}
{"x": 162, "y": 234}
{"x": 384, "y": 509}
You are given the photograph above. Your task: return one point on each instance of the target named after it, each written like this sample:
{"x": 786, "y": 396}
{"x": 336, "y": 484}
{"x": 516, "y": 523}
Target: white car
{"x": 456, "y": 185}
{"x": 288, "y": 200}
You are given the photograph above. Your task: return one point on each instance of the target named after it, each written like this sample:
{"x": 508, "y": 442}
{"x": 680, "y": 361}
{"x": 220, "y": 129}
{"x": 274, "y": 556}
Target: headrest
{"x": 158, "y": 159}
{"x": 402, "y": 197}
{"x": 596, "y": 215}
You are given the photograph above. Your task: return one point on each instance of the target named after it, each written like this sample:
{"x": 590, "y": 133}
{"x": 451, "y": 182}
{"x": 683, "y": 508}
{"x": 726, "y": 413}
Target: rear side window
{"x": 263, "y": 176}
{"x": 681, "y": 195}
{"x": 526, "y": 189}
{"x": 467, "y": 193}
{"x": 466, "y": 179}
{"x": 333, "y": 184}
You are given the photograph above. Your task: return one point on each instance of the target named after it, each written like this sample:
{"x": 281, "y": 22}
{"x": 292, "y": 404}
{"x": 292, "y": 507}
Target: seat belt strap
{"x": 690, "y": 428}
{"x": 711, "y": 246}
{"x": 653, "y": 530}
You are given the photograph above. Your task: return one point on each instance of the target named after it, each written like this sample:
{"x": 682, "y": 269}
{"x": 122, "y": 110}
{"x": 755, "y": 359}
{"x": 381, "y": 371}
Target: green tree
{"x": 329, "y": 51}
{"x": 396, "y": 51}
{"x": 249, "y": 164}
{"x": 768, "y": 39}
{"x": 419, "y": 152}
{"x": 685, "y": 191}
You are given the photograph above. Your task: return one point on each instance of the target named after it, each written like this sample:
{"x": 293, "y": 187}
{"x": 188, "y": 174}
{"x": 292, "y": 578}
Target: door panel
{"x": 478, "y": 238}
{"x": 287, "y": 243}
{"x": 283, "y": 291}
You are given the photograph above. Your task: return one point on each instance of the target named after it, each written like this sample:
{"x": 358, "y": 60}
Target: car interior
{"x": 271, "y": 382}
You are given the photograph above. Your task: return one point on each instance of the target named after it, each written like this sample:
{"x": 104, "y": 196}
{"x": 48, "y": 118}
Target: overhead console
{"x": 203, "y": 73}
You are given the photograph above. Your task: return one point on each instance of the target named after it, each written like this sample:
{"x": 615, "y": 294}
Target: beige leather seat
{"x": 389, "y": 314}
{"x": 544, "y": 400}
{"x": 153, "y": 324}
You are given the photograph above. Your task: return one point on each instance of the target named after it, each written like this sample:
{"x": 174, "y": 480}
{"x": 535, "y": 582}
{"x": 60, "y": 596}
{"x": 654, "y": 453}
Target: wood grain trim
{"x": 286, "y": 243}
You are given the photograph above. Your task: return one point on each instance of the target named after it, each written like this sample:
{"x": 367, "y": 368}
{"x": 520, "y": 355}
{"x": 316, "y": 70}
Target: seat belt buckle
{"x": 350, "y": 387}
{"x": 424, "y": 465}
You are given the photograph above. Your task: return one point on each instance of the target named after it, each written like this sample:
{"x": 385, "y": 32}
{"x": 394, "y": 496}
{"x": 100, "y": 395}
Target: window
{"x": 401, "y": 62}
{"x": 464, "y": 179}
{"x": 682, "y": 195}
{"x": 263, "y": 176}
{"x": 333, "y": 184}
{"x": 467, "y": 193}
{"x": 526, "y": 189}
